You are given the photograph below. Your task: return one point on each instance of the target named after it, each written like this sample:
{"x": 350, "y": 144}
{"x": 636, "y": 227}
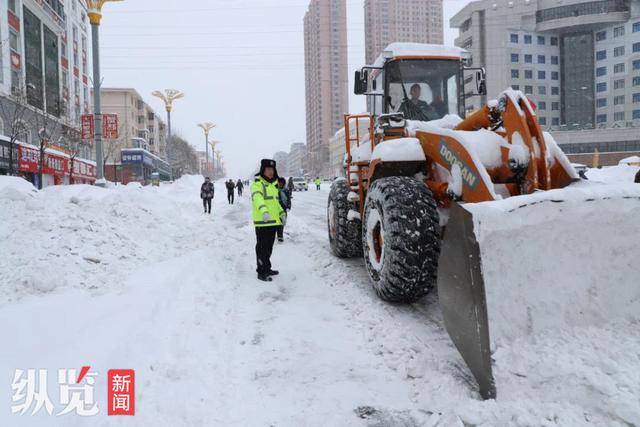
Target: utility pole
{"x": 95, "y": 16}
{"x": 168, "y": 97}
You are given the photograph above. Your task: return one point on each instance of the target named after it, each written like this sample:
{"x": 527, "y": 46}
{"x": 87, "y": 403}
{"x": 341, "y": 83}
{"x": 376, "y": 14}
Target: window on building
{"x": 13, "y": 41}
{"x": 554, "y": 75}
{"x": 618, "y": 51}
{"x": 601, "y": 118}
{"x": 542, "y": 75}
{"x": 542, "y": 121}
{"x": 528, "y": 90}
{"x": 618, "y": 100}
{"x": 601, "y": 102}
{"x": 636, "y": 81}
{"x": 555, "y": 106}
{"x": 636, "y": 64}
{"x": 636, "y": 47}
{"x": 542, "y": 90}
{"x": 618, "y": 31}
{"x": 601, "y": 54}
{"x": 636, "y": 114}
{"x": 528, "y": 74}
{"x": 513, "y": 38}
{"x": 540, "y": 40}
{"x": 515, "y": 74}
{"x": 618, "y": 68}
{"x": 553, "y": 41}
{"x": 515, "y": 87}
{"x": 636, "y": 27}
{"x": 601, "y": 71}
{"x": 555, "y": 90}
{"x": 542, "y": 105}
{"x": 618, "y": 116}
{"x": 554, "y": 59}
{"x": 601, "y": 35}
{"x": 527, "y": 39}
{"x": 555, "y": 121}
{"x": 636, "y": 98}
{"x": 601, "y": 87}
{"x": 515, "y": 57}
{"x": 618, "y": 84}
{"x": 12, "y": 6}
{"x": 528, "y": 59}
{"x": 541, "y": 59}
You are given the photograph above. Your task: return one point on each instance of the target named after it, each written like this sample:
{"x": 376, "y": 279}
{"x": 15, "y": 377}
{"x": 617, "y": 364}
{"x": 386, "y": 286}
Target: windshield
{"x": 422, "y": 89}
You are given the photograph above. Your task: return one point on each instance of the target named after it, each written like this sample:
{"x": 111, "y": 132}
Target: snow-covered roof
{"x": 419, "y": 49}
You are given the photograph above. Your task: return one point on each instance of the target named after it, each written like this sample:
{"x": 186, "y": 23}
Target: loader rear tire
{"x": 344, "y": 235}
{"x": 401, "y": 238}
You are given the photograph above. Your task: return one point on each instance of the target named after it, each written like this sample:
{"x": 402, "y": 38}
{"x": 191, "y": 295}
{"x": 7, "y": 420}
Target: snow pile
{"x": 76, "y": 233}
{"x": 613, "y": 174}
{"x": 399, "y": 150}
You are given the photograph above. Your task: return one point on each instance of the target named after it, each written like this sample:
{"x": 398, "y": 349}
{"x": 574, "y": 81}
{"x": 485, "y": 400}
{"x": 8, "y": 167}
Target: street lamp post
{"x": 206, "y": 127}
{"x": 213, "y": 150}
{"x": 218, "y": 154}
{"x": 95, "y": 16}
{"x": 168, "y": 97}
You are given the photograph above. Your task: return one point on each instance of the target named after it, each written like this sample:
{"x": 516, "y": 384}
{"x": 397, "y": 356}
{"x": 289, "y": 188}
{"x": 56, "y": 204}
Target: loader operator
{"x": 268, "y": 216}
{"x": 417, "y": 109}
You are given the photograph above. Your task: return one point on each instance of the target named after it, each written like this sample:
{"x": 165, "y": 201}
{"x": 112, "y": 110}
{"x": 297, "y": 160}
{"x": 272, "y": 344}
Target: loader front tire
{"x": 401, "y": 238}
{"x": 344, "y": 235}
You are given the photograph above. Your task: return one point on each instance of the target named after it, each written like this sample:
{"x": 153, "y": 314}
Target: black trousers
{"x": 280, "y": 232}
{"x": 230, "y": 197}
{"x": 207, "y": 205}
{"x": 239, "y": 191}
{"x": 265, "y": 238}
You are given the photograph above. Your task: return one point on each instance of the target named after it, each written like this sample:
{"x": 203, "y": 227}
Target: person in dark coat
{"x": 230, "y": 191}
{"x": 637, "y": 178}
{"x": 206, "y": 194}
{"x": 582, "y": 174}
{"x": 285, "y": 202}
{"x": 289, "y": 188}
{"x": 239, "y": 186}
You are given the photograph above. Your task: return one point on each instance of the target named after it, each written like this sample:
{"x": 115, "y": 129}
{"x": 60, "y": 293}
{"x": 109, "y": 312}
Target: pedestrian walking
{"x": 637, "y": 178}
{"x": 240, "y": 187}
{"x": 318, "y": 182}
{"x": 290, "y": 188}
{"x": 206, "y": 194}
{"x": 285, "y": 203}
{"x": 267, "y": 216}
{"x": 230, "y": 191}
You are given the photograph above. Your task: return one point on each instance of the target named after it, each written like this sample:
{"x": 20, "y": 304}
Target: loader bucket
{"x": 537, "y": 265}
{"x": 462, "y": 297}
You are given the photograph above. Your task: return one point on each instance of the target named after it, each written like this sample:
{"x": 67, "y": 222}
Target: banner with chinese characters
{"x": 109, "y": 126}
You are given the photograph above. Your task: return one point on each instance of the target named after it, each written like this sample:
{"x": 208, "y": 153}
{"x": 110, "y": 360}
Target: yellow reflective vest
{"x": 264, "y": 199}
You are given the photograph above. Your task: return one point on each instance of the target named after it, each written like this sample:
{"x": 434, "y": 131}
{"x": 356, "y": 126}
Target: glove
{"x": 266, "y": 217}
{"x": 283, "y": 219}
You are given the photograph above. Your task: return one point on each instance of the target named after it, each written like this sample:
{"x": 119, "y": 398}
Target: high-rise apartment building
{"x": 389, "y": 21}
{"x": 326, "y": 81}
{"x": 579, "y": 61}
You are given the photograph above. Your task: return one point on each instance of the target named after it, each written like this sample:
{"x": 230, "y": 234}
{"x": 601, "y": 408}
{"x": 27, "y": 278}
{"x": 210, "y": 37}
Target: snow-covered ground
{"x": 139, "y": 278}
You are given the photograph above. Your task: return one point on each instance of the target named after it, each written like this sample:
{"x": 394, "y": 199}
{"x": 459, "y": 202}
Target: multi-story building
{"x": 296, "y": 159}
{"x": 139, "y": 125}
{"x": 578, "y": 60}
{"x": 44, "y": 71}
{"x": 326, "y": 81}
{"x": 389, "y": 21}
{"x": 281, "y": 162}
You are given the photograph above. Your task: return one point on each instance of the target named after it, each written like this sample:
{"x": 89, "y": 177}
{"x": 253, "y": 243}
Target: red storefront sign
{"x": 87, "y": 126}
{"x": 83, "y": 170}
{"x": 29, "y": 158}
{"x": 14, "y": 21}
{"x": 110, "y": 126}
{"x": 16, "y": 61}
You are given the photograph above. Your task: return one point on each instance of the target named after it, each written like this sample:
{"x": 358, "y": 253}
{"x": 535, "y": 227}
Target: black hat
{"x": 268, "y": 163}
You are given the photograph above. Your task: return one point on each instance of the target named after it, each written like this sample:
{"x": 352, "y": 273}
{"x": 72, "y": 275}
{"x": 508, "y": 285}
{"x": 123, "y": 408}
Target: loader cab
{"x": 421, "y": 88}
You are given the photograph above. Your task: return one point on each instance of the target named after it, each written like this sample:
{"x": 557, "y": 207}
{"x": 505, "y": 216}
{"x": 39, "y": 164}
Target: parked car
{"x": 300, "y": 184}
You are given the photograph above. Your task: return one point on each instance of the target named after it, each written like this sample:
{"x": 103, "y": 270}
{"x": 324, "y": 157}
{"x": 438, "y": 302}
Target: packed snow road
{"x": 139, "y": 278}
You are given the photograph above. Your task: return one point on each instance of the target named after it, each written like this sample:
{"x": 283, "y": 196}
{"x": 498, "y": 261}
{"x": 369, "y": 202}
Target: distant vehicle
{"x": 300, "y": 184}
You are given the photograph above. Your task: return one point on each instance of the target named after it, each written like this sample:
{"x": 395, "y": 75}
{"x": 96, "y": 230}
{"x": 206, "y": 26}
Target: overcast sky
{"x": 240, "y": 64}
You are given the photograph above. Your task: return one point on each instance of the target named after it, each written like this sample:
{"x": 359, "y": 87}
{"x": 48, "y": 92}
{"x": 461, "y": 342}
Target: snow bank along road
{"x": 139, "y": 278}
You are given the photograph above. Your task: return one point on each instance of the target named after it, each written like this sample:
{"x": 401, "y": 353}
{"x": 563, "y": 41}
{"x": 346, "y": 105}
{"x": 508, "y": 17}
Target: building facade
{"x": 44, "y": 90}
{"x": 281, "y": 162}
{"x": 296, "y": 159}
{"x": 389, "y": 21}
{"x": 579, "y": 61}
{"x": 326, "y": 80}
